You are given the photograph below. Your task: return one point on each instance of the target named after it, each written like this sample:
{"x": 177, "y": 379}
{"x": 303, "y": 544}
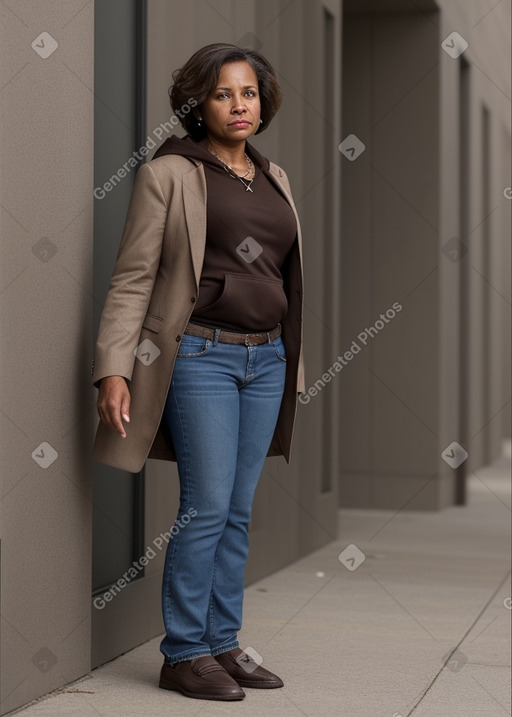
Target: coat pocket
{"x": 153, "y": 323}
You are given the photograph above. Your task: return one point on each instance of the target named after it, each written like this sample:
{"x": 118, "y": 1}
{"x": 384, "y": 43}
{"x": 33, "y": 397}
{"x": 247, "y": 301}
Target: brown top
{"x": 249, "y": 235}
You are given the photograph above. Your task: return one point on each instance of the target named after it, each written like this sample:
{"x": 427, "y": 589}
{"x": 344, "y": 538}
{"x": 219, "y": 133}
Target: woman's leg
{"x": 202, "y": 413}
{"x": 260, "y": 401}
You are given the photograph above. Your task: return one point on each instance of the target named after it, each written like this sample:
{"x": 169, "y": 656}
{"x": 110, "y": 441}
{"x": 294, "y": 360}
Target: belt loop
{"x": 216, "y": 336}
{"x": 268, "y": 336}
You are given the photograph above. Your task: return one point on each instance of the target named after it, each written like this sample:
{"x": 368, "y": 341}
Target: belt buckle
{"x": 257, "y": 343}
{"x": 248, "y": 341}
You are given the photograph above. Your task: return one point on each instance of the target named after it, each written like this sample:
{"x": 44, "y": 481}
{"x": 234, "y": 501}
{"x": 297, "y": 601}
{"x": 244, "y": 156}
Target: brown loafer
{"x": 246, "y": 671}
{"x": 201, "y": 677}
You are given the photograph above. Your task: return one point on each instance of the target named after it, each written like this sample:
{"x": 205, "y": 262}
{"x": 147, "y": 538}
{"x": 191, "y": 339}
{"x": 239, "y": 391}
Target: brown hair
{"x": 199, "y": 75}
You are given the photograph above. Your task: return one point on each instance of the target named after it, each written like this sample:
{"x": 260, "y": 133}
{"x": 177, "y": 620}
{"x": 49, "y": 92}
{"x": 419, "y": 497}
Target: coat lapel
{"x": 276, "y": 175}
{"x": 194, "y": 201}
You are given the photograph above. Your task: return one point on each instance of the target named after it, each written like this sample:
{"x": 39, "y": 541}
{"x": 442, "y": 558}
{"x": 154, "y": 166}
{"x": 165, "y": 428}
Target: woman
{"x": 199, "y": 351}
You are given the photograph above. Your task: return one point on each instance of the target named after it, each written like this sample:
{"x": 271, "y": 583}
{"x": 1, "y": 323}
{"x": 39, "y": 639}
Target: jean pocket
{"x": 193, "y": 346}
{"x": 279, "y": 348}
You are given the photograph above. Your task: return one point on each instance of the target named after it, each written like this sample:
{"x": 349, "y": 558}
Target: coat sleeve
{"x": 132, "y": 280}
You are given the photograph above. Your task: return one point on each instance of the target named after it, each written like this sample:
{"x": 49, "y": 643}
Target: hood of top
{"x": 187, "y": 147}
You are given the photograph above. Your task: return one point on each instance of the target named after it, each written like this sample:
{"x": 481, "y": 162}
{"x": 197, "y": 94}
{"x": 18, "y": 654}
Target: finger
{"x": 125, "y": 407}
{"x": 118, "y": 425}
{"x": 101, "y": 411}
{"x": 114, "y": 415}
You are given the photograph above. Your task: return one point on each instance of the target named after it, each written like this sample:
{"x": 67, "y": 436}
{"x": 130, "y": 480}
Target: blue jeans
{"x": 221, "y": 411}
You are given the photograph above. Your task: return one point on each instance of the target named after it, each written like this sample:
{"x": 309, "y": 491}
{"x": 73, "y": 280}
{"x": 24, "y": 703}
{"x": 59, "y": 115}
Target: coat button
{"x": 193, "y": 299}
{"x": 178, "y": 338}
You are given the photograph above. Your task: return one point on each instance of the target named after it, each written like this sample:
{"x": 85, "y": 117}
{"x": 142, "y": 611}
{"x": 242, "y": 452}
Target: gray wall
{"x": 437, "y": 372}
{"x": 389, "y": 247}
{"x": 47, "y": 208}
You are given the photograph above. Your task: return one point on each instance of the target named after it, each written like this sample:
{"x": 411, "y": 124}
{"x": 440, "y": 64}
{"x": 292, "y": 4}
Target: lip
{"x": 242, "y": 124}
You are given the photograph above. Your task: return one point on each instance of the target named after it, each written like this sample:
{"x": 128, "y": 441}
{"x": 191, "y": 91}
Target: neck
{"x": 233, "y": 154}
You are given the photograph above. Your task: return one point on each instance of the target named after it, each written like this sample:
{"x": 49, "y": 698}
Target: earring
{"x": 261, "y": 121}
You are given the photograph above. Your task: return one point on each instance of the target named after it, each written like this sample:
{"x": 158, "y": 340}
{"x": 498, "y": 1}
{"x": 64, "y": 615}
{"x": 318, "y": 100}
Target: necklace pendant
{"x": 248, "y": 189}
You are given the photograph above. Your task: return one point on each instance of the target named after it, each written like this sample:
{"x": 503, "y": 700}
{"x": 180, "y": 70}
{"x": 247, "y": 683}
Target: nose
{"x": 238, "y": 105}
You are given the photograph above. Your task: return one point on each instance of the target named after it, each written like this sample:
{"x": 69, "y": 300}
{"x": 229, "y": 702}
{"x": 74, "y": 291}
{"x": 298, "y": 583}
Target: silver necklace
{"x": 229, "y": 169}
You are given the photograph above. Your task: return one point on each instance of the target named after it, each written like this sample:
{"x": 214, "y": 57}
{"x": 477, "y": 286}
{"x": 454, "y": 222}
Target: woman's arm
{"x": 128, "y": 297}
{"x": 132, "y": 279}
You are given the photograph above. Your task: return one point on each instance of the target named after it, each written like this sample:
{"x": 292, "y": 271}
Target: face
{"x": 231, "y": 113}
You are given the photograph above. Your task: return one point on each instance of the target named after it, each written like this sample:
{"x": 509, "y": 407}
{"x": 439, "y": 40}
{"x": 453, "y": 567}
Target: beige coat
{"x": 152, "y": 293}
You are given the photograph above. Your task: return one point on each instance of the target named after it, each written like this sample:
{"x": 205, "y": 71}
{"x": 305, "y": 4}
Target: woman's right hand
{"x": 114, "y": 402}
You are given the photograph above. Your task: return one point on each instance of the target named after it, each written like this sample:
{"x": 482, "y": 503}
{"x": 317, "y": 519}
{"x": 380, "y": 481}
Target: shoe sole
{"x": 223, "y": 698}
{"x": 257, "y": 685}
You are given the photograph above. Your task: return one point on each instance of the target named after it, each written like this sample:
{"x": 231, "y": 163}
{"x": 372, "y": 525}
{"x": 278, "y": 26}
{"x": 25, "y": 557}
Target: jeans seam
{"x": 175, "y": 540}
{"x": 212, "y": 611}
{"x": 188, "y": 656}
{"x": 207, "y": 346}
{"x": 187, "y": 451}
{"x": 280, "y": 356}
{"x": 231, "y": 646}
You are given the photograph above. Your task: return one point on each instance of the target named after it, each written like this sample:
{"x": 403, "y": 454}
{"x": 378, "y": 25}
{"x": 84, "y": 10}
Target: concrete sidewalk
{"x": 421, "y": 627}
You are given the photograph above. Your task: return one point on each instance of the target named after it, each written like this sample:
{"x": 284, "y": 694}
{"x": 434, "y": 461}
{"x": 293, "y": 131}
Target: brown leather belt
{"x": 233, "y": 337}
